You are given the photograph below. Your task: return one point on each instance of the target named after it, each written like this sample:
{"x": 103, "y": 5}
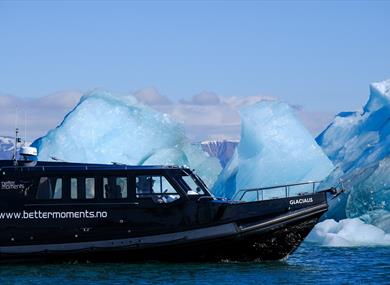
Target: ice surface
{"x": 348, "y": 233}
{"x": 359, "y": 146}
{"x": 274, "y": 149}
{"x": 379, "y": 96}
{"x": 106, "y": 128}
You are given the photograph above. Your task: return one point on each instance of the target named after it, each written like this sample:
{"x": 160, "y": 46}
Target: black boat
{"x": 102, "y": 212}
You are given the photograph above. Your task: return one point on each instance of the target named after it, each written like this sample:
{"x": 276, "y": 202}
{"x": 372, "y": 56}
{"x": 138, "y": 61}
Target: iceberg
{"x": 107, "y": 128}
{"x": 348, "y": 233}
{"x": 358, "y": 143}
{"x": 274, "y": 149}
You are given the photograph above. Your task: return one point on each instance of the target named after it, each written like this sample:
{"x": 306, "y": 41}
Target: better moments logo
{"x": 54, "y": 215}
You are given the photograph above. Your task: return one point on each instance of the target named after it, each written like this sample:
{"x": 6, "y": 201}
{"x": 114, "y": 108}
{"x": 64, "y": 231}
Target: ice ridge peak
{"x": 379, "y": 96}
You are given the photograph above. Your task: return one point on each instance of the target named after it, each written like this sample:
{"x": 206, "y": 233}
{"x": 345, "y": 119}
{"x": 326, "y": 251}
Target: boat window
{"x": 73, "y": 188}
{"x": 49, "y": 188}
{"x": 114, "y": 187}
{"x": 157, "y": 188}
{"x": 192, "y": 187}
{"x": 82, "y": 188}
{"x": 89, "y": 188}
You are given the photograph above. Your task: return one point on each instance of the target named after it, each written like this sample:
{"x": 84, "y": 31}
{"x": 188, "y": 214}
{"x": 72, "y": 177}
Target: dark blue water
{"x": 310, "y": 264}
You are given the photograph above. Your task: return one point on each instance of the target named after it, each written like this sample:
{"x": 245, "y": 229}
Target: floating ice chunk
{"x": 348, "y": 233}
{"x": 105, "y": 128}
{"x": 274, "y": 149}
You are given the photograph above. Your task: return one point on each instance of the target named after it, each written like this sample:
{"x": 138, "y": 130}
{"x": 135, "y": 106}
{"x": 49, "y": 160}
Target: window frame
{"x": 183, "y": 183}
{"x": 172, "y": 182}
{"x": 49, "y": 177}
{"x": 126, "y": 191}
{"x": 82, "y": 191}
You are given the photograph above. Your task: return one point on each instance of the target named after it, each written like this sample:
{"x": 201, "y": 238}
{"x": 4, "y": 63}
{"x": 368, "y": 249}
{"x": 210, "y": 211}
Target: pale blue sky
{"x": 321, "y": 55}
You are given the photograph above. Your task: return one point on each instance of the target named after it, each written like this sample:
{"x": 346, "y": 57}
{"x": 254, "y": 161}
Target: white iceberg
{"x": 348, "y": 233}
{"x": 106, "y": 128}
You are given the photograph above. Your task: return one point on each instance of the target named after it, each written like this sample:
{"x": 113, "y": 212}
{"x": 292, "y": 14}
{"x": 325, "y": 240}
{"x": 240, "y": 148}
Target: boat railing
{"x": 283, "y": 191}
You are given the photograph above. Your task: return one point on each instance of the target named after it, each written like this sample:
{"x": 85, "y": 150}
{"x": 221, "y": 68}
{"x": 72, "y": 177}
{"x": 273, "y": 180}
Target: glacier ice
{"x": 106, "y": 128}
{"x": 380, "y": 96}
{"x": 356, "y": 139}
{"x": 348, "y": 233}
{"x": 274, "y": 149}
{"x": 358, "y": 143}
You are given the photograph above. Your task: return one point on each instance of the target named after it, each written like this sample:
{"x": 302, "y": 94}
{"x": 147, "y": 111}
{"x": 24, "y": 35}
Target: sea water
{"x": 310, "y": 264}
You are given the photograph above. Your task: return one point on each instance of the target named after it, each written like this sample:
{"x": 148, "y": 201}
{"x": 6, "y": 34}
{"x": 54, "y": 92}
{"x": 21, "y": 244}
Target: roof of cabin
{"x": 71, "y": 166}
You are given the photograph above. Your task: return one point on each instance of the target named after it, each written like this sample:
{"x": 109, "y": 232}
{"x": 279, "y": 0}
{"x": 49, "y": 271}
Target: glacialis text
{"x": 301, "y": 201}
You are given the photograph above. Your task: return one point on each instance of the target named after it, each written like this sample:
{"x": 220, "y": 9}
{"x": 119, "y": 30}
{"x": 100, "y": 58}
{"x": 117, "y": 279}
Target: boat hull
{"x": 270, "y": 239}
{"x": 118, "y": 212}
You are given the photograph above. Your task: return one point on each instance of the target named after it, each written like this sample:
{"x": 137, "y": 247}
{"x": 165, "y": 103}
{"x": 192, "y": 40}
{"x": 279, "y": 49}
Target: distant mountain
{"x": 6, "y": 147}
{"x": 223, "y": 150}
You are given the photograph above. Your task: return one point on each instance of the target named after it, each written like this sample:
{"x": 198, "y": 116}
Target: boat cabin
{"x": 56, "y": 183}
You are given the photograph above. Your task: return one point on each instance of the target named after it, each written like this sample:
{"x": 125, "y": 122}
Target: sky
{"x": 320, "y": 55}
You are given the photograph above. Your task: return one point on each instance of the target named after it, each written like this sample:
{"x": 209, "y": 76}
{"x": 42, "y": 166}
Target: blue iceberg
{"x": 107, "y": 128}
{"x": 358, "y": 143}
{"x": 274, "y": 149}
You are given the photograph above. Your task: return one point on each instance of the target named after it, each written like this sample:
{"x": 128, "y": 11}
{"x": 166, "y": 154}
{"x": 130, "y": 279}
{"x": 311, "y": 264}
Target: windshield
{"x": 193, "y": 186}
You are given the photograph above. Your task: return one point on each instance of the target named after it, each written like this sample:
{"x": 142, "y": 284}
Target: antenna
{"x": 25, "y": 128}
{"x": 29, "y": 153}
{"x": 16, "y": 135}
{"x": 16, "y": 116}
{"x": 17, "y": 140}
